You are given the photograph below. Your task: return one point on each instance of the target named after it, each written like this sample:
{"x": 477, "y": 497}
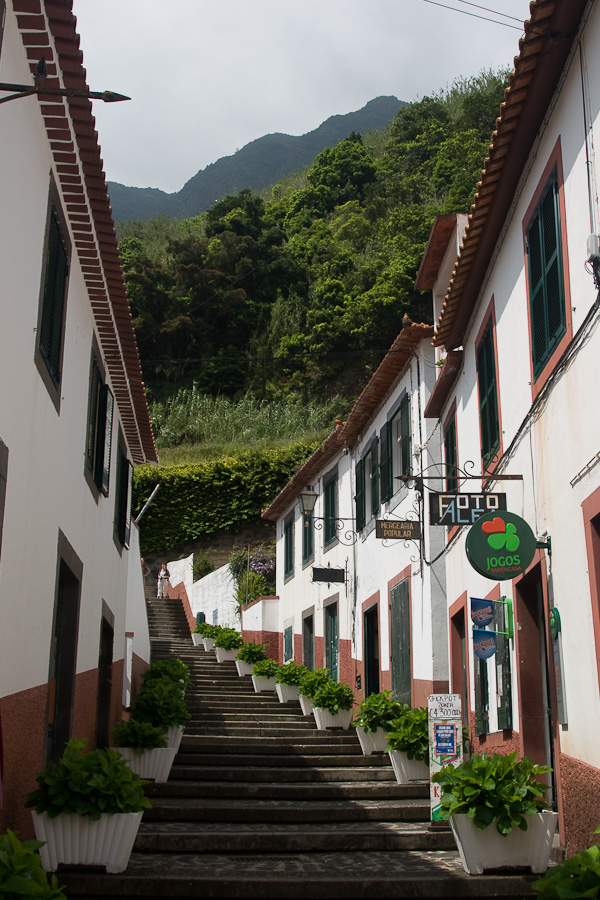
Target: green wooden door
{"x": 331, "y": 640}
{"x": 400, "y": 641}
{"x": 371, "y": 651}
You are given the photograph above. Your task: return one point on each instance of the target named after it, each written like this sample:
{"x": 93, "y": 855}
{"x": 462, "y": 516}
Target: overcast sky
{"x": 207, "y": 77}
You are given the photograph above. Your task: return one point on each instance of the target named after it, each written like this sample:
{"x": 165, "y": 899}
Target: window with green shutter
{"x": 53, "y": 303}
{"x": 330, "y": 510}
{"x": 545, "y": 277}
{"x": 288, "y": 547}
{"x": 488, "y": 397}
{"x": 123, "y": 498}
{"x": 386, "y": 462}
{"x": 308, "y": 538}
{"x": 451, "y": 455}
{"x": 288, "y": 643}
{"x": 373, "y": 487}
{"x": 99, "y": 429}
{"x": 361, "y": 518}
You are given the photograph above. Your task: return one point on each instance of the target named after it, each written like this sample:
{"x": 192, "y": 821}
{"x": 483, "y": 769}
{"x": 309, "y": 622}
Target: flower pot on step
{"x": 325, "y": 719}
{"x": 209, "y": 643}
{"x": 372, "y": 741}
{"x": 74, "y": 840}
{"x": 197, "y": 639}
{"x": 263, "y": 684}
{"x": 243, "y": 668}
{"x": 155, "y": 764}
{"x": 174, "y": 735}
{"x": 226, "y": 655}
{"x": 406, "y": 769}
{"x": 287, "y": 692}
{"x": 306, "y": 704}
{"x": 488, "y": 849}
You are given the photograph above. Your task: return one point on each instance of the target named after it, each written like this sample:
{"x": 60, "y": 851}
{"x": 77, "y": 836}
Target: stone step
{"x": 295, "y": 876}
{"x": 319, "y": 742}
{"x": 301, "y": 793}
{"x": 269, "y": 774}
{"x": 233, "y": 761}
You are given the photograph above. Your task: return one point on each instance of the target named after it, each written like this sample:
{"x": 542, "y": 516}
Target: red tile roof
{"x": 44, "y": 25}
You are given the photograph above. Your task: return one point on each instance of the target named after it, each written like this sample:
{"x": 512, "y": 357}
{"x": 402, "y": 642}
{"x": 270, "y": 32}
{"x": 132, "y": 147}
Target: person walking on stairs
{"x": 163, "y": 581}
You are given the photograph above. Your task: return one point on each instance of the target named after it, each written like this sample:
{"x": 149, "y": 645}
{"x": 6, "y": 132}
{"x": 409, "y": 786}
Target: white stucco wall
{"x": 213, "y": 594}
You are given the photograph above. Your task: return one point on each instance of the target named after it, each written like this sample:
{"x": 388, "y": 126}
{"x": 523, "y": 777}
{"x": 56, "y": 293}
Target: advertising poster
{"x": 445, "y": 741}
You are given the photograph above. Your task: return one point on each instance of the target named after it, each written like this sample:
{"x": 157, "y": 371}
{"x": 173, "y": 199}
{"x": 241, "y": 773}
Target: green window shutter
{"x": 503, "y": 679}
{"x": 109, "y": 404}
{"x": 546, "y": 278}
{"x": 288, "y": 643}
{"x": 53, "y": 304}
{"x": 400, "y": 642}
{"x": 481, "y": 695}
{"x": 93, "y": 410}
{"x": 450, "y": 456}
{"x": 360, "y": 495}
{"x": 288, "y": 548}
{"x": 386, "y": 474}
{"x": 330, "y": 515}
{"x": 308, "y": 544}
{"x": 123, "y": 498}
{"x": 374, "y": 477}
{"x": 405, "y": 433}
{"x": 488, "y": 397}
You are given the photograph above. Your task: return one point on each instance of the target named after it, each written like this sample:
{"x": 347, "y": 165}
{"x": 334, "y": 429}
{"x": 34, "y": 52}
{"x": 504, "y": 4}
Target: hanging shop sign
{"x": 482, "y": 612}
{"x": 462, "y": 509}
{"x": 500, "y": 545}
{"x": 397, "y": 530}
{"x": 445, "y": 741}
{"x": 329, "y": 576}
{"x": 484, "y": 643}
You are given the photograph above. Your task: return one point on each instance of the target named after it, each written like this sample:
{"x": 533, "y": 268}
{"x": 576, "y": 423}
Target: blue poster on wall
{"x": 482, "y": 612}
{"x": 484, "y": 643}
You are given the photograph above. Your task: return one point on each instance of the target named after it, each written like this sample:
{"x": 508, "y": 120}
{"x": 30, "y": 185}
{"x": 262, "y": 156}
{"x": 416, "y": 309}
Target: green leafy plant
{"x": 21, "y": 872}
{"x": 409, "y": 732}
{"x": 207, "y": 630}
{"x": 312, "y": 681}
{"x": 577, "y": 877}
{"x": 202, "y": 565}
{"x": 252, "y": 586}
{"x": 160, "y": 703}
{"x": 265, "y": 668}
{"x": 334, "y": 697}
{"x": 378, "y": 711}
{"x": 493, "y": 788}
{"x": 290, "y": 673}
{"x": 252, "y": 653}
{"x": 88, "y": 784}
{"x": 139, "y": 735}
{"x": 174, "y": 670}
{"x": 228, "y": 639}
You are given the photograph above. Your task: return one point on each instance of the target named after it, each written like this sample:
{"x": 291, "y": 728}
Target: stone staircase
{"x": 260, "y": 804}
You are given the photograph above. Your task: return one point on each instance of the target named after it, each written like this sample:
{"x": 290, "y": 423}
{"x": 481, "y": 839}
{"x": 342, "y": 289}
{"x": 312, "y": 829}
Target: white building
{"x": 73, "y": 419}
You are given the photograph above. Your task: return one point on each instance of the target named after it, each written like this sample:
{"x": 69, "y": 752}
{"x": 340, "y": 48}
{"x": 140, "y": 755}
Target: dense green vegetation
{"x": 297, "y": 295}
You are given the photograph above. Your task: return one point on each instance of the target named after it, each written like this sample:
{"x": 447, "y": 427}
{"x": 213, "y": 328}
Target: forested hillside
{"x": 300, "y": 293}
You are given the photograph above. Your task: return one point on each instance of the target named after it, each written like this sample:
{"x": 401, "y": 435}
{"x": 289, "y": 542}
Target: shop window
{"x": 330, "y": 491}
{"x": 288, "y": 547}
{"x": 488, "y": 397}
{"x": 99, "y": 430}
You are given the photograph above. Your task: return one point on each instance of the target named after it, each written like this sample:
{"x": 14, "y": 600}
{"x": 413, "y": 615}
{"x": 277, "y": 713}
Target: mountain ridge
{"x": 258, "y": 164}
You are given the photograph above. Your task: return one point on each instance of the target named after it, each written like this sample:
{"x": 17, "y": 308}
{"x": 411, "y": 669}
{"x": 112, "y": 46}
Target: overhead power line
{"x": 465, "y": 12}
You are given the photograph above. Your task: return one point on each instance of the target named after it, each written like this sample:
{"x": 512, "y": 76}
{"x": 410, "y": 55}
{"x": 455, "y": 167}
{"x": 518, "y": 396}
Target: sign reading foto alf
{"x": 500, "y": 545}
{"x": 462, "y": 509}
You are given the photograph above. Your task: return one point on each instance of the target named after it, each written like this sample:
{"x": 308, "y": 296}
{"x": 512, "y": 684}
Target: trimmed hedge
{"x": 204, "y": 498}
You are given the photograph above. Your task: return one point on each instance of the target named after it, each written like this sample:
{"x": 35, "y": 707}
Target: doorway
{"x": 400, "y": 649}
{"x": 331, "y": 639}
{"x": 105, "y": 668}
{"x": 371, "y": 650}
{"x": 308, "y": 642}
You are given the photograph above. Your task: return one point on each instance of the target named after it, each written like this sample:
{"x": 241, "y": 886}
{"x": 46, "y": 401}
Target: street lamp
{"x": 306, "y": 500}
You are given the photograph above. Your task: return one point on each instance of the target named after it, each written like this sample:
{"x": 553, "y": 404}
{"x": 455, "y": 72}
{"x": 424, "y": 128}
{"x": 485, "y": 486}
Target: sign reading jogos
{"x": 500, "y": 545}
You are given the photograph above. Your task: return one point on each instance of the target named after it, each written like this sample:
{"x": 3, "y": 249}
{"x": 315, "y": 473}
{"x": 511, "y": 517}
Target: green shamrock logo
{"x": 504, "y": 535}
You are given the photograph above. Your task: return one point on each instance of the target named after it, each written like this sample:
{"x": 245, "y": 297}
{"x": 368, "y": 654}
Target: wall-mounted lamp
{"x": 307, "y": 500}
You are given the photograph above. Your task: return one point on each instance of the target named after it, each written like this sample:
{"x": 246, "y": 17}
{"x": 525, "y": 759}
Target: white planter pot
{"x": 226, "y": 655}
{"x": 306, "y": 704}
{"x": 155, "y": 763}
{"x": 372, "y": 741}
{"x": 209, "y": 643}
{"x": 79, "y": 840}
{"x": 487, "y": 849}
{"x": 287, "y": 692}
{"x": 325, "y": 719}
{"x": 263, "y": 684}
{"x": 243, "y": 668}
{"x": 197, "y": 639}
{"x": 406, "y": 769}
{"x": 174, "y": 735}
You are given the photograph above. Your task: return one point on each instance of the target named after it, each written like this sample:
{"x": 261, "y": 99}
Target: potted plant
{"x": 263, "y": 675}
{"x": 408, "y": 744}
{"x": 287, "y": 680}
{"x": 309, "y": 685}
{"x": 497, "y": 812}
{"x": 144, "y": 749}
{"x": 88, "y": 808}
{"x": 209, "y": 633}
{"x": 578, "y": 876}
{"x": 374, "y": 718}
{"x": 174, "y": 670}
{"x": 227, "y": 643}
{"x": 160, "y": 703}
{"x": 332, "y": 705}
{"x": 248, "y": 655}
{"x": 21, "y": 871}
